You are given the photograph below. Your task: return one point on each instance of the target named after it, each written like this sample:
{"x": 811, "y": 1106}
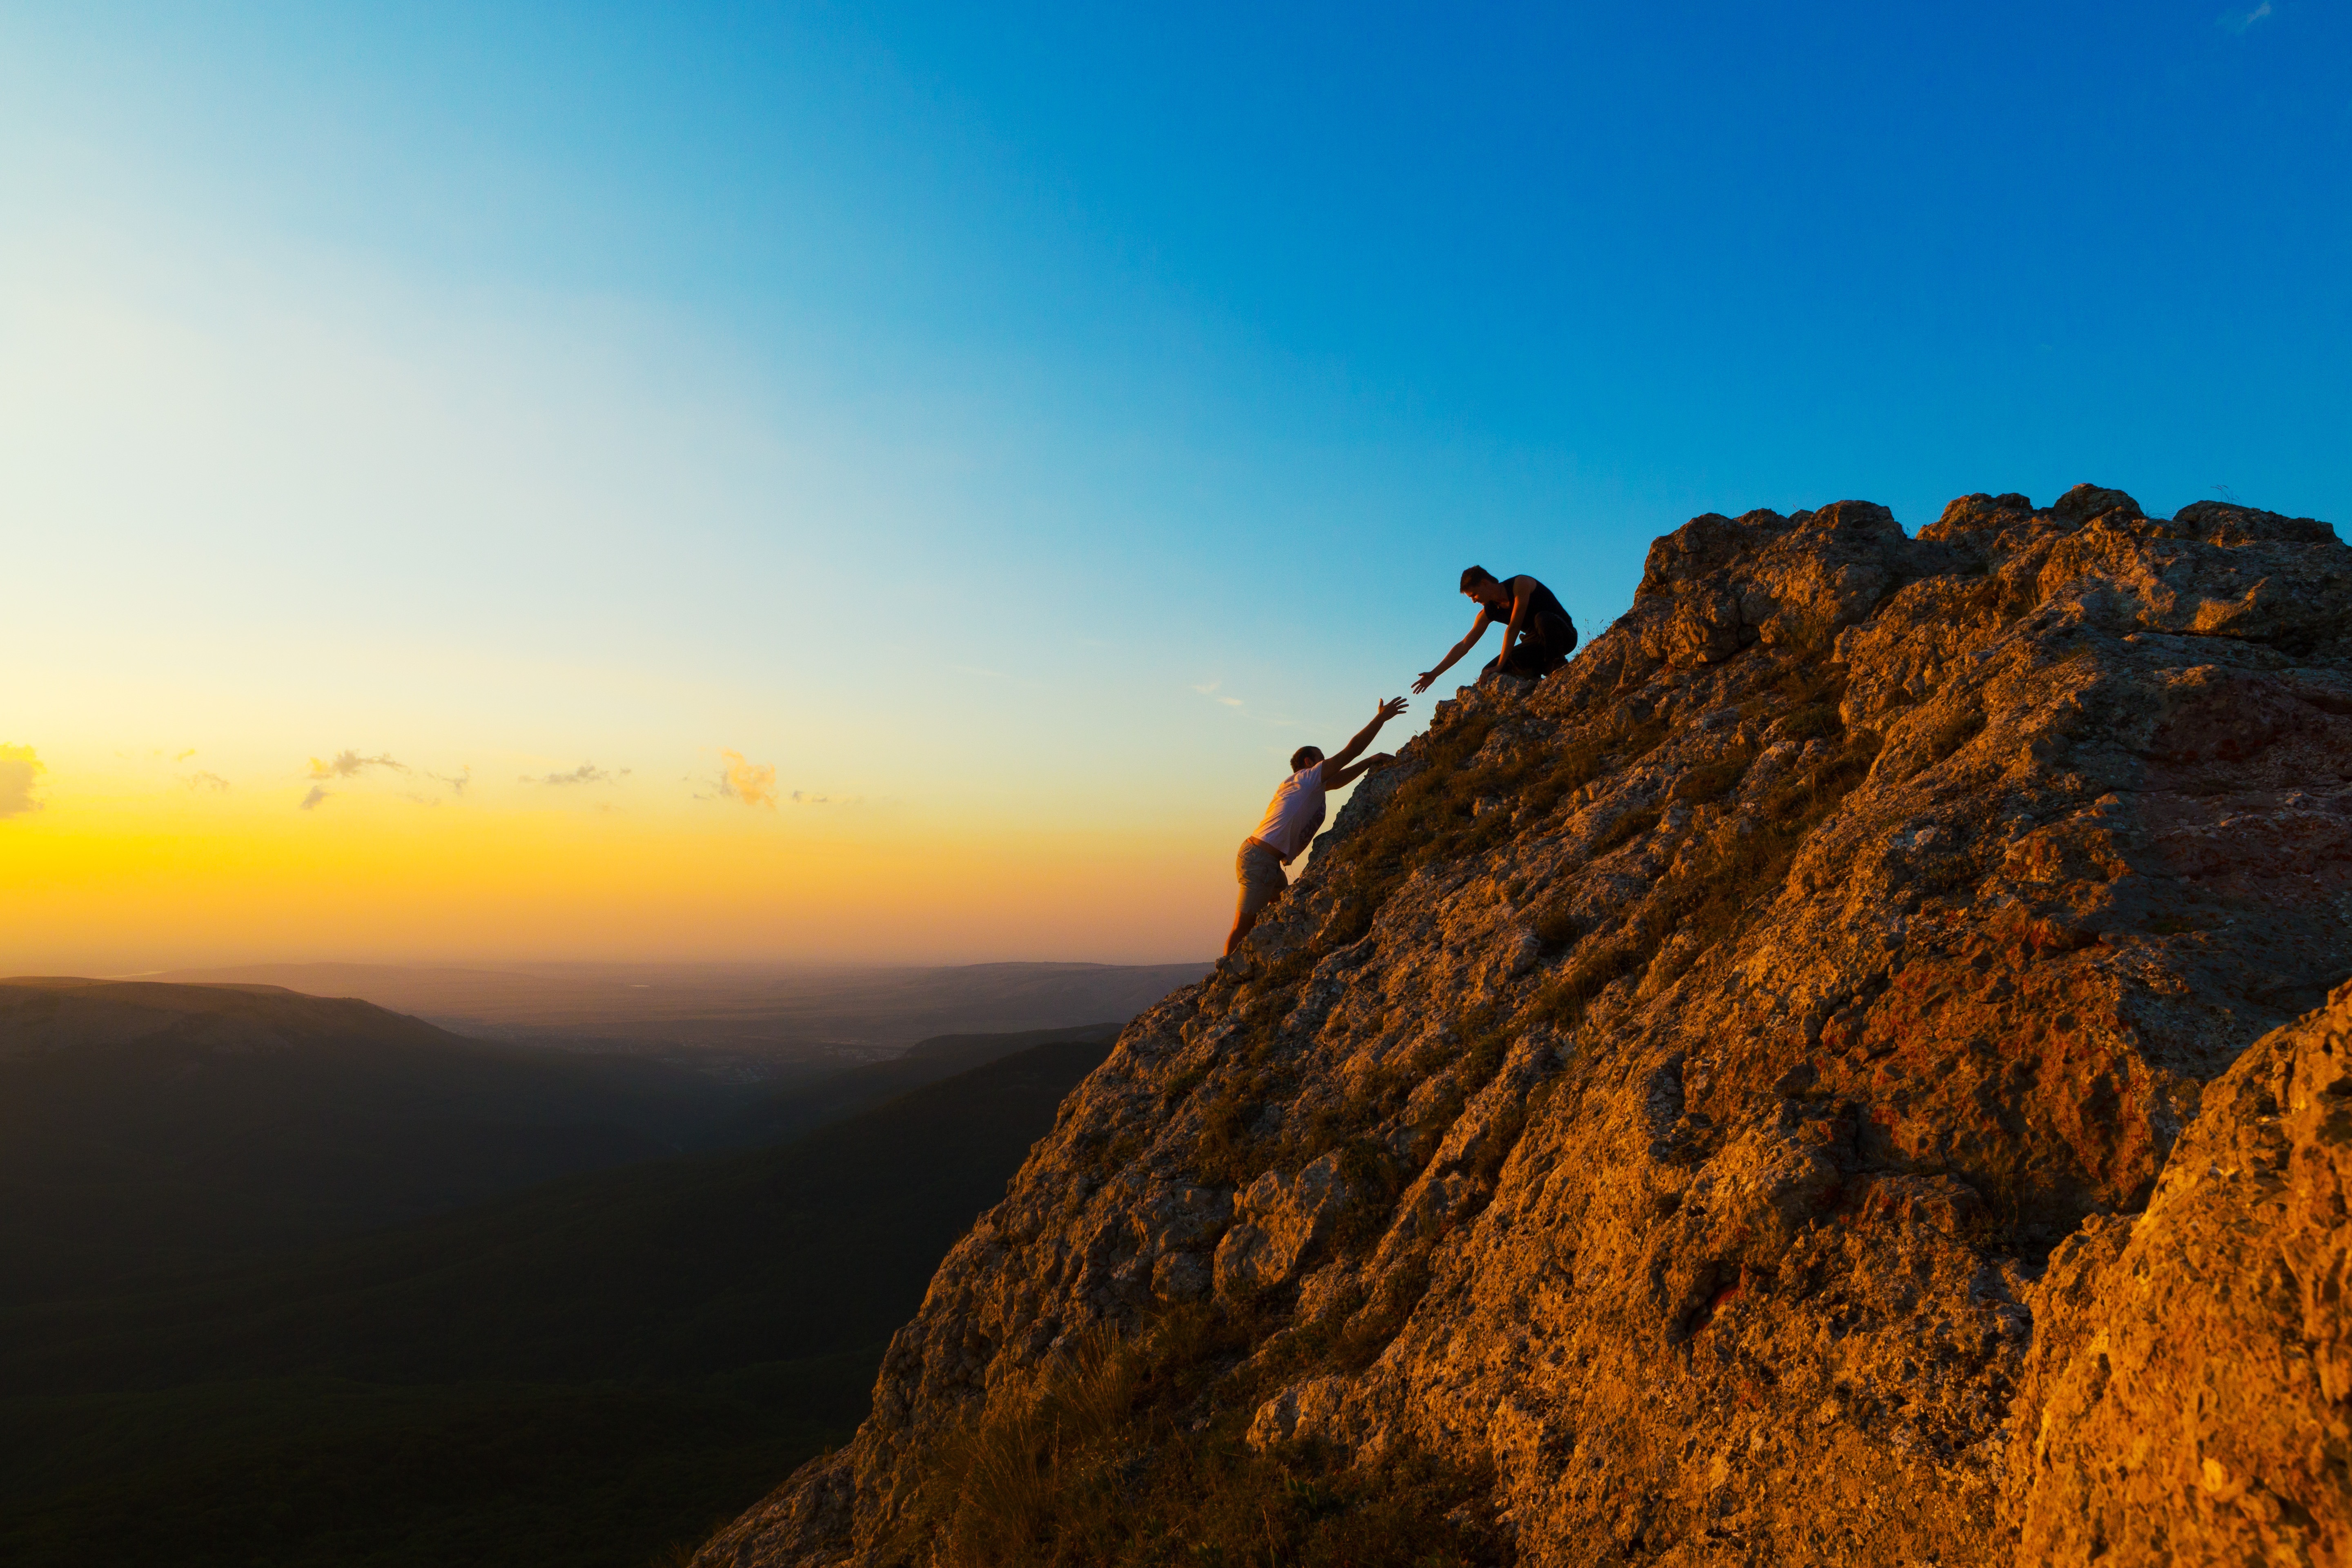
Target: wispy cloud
{"x": 2239, "y": 21}
{"x": 210, "y": 781}
{"x": 1211, "y": 693}
{"x": 18, "y": 768}
{"x": 464, "y": 776}
{"x": 585, "y": 773}
{"x": 318, "y": 793}
{"x": 753, "y": 784}
{"x": 184, "y": 756}
{"x": 343, "y": 765}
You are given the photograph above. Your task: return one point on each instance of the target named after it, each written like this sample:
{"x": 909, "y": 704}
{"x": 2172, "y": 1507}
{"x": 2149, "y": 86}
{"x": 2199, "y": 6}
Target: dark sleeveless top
{"x": 1539, "y": 602}
{"x": 1547, "y": 624}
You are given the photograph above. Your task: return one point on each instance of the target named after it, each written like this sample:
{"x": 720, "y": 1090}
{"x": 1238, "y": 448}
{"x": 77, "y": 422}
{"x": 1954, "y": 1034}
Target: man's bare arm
{"x": 1519, "y": 598}
{"x": 1349, "y": 753}
{"x": 1477, "y": 629}
{"x": 1340, "y": 778}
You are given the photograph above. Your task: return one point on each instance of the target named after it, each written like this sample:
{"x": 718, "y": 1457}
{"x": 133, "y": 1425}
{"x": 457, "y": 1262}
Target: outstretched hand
{"x": 1426, "y": 676}
{"x": 1388, "y": 711}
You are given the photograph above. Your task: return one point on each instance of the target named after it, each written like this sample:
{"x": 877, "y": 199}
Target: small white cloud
{"x": 1210, "y": 691}
{"x": 18, "y": 768}
{"x": 2239, "y": 21}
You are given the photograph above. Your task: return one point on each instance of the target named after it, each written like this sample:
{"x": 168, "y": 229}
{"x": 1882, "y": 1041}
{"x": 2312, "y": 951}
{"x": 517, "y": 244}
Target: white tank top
{"x": 1294, "y": 814}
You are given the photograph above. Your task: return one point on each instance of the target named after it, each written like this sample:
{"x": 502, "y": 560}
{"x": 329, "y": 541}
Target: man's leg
{"x": 1539, "y": 652}
{"x": 1262, "y": 881}
{"x": 1242, "y": 923}
{"x": 1525, "y": 661}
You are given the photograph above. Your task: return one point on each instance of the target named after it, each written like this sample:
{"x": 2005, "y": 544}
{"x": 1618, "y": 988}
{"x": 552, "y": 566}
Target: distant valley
{"x": 149, "y": 1124}
{"x": 298, "y": 1279}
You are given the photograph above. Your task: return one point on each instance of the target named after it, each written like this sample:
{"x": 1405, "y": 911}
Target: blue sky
{"x": 936, "y": 401}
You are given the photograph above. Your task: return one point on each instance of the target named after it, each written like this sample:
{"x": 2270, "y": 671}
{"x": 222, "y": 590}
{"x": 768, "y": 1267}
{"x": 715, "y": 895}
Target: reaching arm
{"x": 1340, "y": 778}
{"x": 1477, "y": 630}
{"x": 1337, "y": 764}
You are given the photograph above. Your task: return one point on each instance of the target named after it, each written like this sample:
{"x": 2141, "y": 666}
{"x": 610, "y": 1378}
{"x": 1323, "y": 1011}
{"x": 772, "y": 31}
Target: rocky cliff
{"x": 1763, "y": 1095}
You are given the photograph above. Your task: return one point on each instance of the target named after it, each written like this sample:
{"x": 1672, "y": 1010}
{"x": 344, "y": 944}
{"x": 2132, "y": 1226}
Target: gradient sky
{"x": 1015, "y": 428}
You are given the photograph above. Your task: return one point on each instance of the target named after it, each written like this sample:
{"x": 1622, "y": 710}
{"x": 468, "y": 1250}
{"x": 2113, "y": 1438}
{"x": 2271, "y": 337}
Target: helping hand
{"x": 1426, "y": 676}
{"x": 1388, "y": 711}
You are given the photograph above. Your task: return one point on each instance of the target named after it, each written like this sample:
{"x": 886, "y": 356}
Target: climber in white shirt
{"x": 1294, "y": 815}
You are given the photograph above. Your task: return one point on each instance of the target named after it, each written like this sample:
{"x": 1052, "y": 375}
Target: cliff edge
{"x": 1763, "y": 1095}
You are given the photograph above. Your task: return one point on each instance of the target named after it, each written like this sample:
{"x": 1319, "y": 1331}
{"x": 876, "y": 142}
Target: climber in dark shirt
{"x": 1538, "y": 636}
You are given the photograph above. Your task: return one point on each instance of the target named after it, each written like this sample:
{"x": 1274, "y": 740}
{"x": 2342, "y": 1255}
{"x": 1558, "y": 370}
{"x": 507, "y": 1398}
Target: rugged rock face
{"x": 1662, "y": 1094}
{"x": 2191, "y": 1371}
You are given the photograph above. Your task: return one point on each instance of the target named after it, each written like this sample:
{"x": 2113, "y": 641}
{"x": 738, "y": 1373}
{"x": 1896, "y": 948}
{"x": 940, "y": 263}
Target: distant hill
{"x": 146, "y": 1125}
{"x": 578, "y": 1374}
{"x": 786, "y": 1018}
{"x": 786, "y": 1113}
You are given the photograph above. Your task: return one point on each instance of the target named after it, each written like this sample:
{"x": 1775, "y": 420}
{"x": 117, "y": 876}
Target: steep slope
{"x": 1639, "y": 1134}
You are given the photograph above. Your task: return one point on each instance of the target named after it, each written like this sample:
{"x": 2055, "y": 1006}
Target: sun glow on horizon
{"x": 108, "y": 875}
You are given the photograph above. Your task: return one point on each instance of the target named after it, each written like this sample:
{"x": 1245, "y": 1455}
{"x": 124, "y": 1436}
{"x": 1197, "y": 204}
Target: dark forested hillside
{"x": 576, "y": 1374}
{"x": 147, "y": 1126}
{"x": 787, "y": 1112}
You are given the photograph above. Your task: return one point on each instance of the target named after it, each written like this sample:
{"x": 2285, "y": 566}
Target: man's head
{"x": 1481, "y": 584}
{"x": 1306, "y": 757}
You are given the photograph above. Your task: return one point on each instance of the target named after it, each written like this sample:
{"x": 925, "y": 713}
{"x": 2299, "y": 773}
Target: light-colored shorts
{"x": 1261, "y": 874}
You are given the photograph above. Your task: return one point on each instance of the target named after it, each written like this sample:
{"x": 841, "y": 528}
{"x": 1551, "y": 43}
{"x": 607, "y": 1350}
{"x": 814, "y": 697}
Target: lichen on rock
{"x": 1685, "y": 1111}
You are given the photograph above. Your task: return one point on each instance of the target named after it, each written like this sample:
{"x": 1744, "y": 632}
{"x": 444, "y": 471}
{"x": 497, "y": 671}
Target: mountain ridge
{"x": 1661, "y": 1124}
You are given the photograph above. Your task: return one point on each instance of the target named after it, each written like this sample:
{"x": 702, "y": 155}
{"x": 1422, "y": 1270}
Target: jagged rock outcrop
{"x": 1659, "y": 1097}
{"x": 2190, "y": 1375}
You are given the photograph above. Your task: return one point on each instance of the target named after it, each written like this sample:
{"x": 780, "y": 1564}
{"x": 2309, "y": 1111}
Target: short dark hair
{"x": 1474, "y": 575}
{"x": 1305, "y": 756}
